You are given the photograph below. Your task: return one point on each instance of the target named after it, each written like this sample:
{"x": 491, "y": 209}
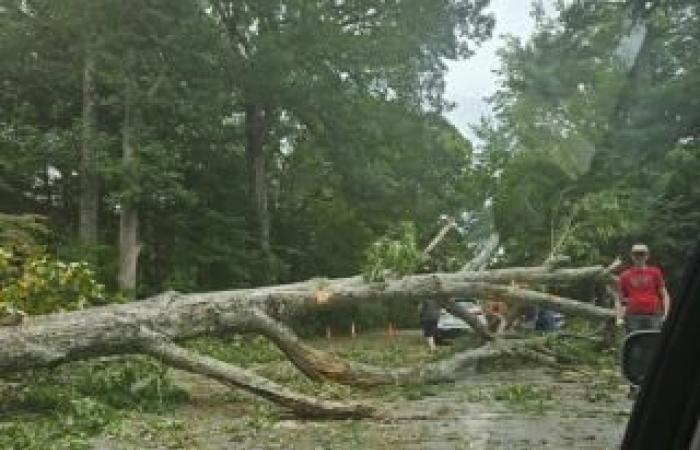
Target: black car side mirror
{"x": 637, "y": 352}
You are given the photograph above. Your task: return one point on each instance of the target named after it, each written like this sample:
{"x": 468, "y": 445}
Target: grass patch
{"x": 130, "y": 400}
{"x": 518, "y": 396}
{"x": 522, "y": 394}
{"x": 63, "y": 408}
{"x": 410, "y": 392}
{"x": 242, "y": 350}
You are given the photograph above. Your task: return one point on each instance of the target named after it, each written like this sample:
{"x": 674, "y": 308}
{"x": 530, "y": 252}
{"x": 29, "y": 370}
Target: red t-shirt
{"x": 641, "y": 286}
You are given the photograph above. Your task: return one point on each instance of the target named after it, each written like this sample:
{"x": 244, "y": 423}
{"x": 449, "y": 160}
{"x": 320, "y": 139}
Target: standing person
{"x": 645, "y": 299}
{"x": 643, "y": 292}
{"x": 429, "y": 316}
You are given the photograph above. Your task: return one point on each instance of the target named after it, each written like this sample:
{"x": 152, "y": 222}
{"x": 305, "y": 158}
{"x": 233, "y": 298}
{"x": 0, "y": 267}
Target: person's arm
{"x": 619, "y": 310}
{"x": 666, "y": 300}
{"x": 663, "y": 292}
{"x": 620, "y": 300}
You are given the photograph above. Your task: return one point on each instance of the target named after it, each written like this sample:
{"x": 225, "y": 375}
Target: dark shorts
{"x": 430, "y": 328}
{"x": 636, "y": 322}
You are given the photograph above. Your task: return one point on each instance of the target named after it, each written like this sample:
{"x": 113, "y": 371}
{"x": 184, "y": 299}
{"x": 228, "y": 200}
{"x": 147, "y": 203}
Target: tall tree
{"x": 593, "y": 101}
{"x": 286, "y": 56}
{"x": 129, "y": 246}
{"x": 152, "y": 47}
{"x": 89, "y": 187}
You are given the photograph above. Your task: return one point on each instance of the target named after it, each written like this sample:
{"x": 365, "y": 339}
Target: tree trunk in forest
{"x": 129, "y": 247}
{"x": 255, "y": 129}
{"x": 88, "y": 209}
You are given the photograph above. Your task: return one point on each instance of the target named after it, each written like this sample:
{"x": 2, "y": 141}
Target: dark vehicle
{"x": 666, "y": 366}
{"x": 543, "y": 320}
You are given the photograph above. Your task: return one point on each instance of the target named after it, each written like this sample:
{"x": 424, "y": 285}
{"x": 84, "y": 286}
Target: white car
{"x": 450, "y": 326}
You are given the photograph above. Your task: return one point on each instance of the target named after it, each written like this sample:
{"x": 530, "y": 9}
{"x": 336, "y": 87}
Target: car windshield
{"x": 225, "y": 221}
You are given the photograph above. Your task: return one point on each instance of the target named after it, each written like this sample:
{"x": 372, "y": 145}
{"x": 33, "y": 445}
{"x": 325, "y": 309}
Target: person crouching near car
{"x": 643, "y": 293}
{"x": 429, "y": 316}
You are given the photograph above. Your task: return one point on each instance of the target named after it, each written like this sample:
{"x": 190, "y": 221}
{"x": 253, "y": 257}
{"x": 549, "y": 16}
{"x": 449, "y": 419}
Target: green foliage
{"x": 40, "y": 284}
{"x": 601, "y": 219}
{"x": 516, "y": 396}
{"x": 580, "y": 152}
{"x": 23, "y": 234}
{"x": 140, "y": 384}
{"x": 240, "y": 350}
{"x": 675, "y": 210}
{"x": 520, "y": 394}
{"x": 353, "y": 140}
{"x": 396, "y": 255}
{"x": 65, "y": 408}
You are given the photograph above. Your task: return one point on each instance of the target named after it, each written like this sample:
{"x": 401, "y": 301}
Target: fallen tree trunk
{"x": 46, "y": 341}
{"x": 57, "y": 338}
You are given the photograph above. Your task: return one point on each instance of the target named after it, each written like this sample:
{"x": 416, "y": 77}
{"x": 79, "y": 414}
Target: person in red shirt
{"x": 643, "y": 293}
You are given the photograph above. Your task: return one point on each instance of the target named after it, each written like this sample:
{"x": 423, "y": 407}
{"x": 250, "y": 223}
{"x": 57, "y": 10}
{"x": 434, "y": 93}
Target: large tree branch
{"x": 456, "y": 310}
{"x": 536, "y": 275}
{"x": 320, "y": 365}
{"x": 303, "y": 405}
{"x": 515, "y": 295}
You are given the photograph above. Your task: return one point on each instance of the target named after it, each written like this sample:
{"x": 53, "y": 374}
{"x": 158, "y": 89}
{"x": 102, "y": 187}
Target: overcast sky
{"x": 470, "y": 81}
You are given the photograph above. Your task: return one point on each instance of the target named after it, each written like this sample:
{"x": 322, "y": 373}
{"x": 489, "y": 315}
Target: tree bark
{"x": 129, "y": 246}
{"x": 302, "y": 405}
{"x": 255, "y": 131}
{"x": 88, "y": 208}
{"x": 131, "y": 328}
{"x": 320, "y": 365}
{"x": 58, "y": 338}
{"x": 151, "y": 326}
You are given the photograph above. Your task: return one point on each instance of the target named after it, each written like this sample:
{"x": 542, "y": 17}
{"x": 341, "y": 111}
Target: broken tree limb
{"x": 527, "y": 297}
{"x": 320, "y": 365}
{"x": 456, "y": 310}
{"x": 481, "y": 260}
{"x": 555, "y": 261}
{"x": 496, "y": 323}
{"x": 451, "y": 223}
{"x": 539, "y": 275}
{"x": 230, "y": 375}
